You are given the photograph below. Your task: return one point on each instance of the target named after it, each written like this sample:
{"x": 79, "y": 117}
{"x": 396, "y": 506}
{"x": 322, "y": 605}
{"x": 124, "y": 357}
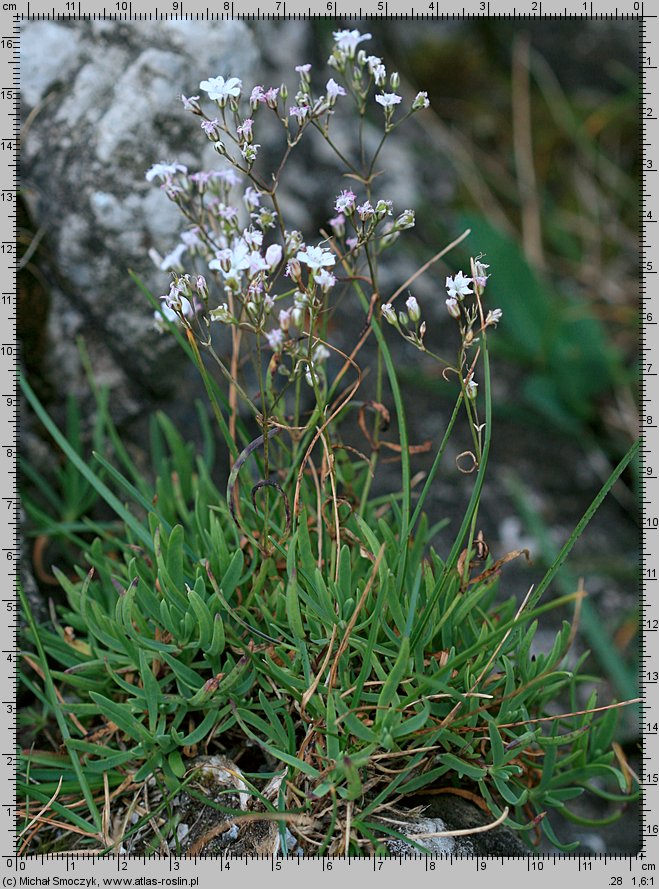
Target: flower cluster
{"x": 253, "y": 273}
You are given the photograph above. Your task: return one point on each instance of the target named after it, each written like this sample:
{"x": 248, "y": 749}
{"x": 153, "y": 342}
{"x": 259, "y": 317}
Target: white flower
{"x": 421, "y": 101}
{"x": 273, "y": 255}
{"x": 164, "y": 171}
{"x": 348, "y": 41}
{"x": 253, "y": 237}
{"x": 413, "y": 309}
{"x": 325, "y": 280}
{"x": 384, "y": 208}
{"x": 458, "y": 286}
{"x": 380, "y": 75}
{"x": 275, "y": 339}
{"x": 220, "y": 89}
{"x": 221, "y": 313}
{"x": 316, "y": 258}
{"x": 345, "y": 202}
{"x": 173, "y": 259}
{"x": 320, "y": 353}
{"x": 405, "y": 220}
{"x": 334, "y": 90}
{"x": 388, "y": 100}
{"x": 493, "y": 317}
{"x": 249, "y": 152}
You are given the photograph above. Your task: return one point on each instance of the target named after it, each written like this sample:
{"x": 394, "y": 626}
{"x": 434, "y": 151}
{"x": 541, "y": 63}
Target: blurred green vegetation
{"x": 536, "y": 126}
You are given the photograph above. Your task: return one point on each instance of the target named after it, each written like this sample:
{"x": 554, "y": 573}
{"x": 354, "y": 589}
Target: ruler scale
{"x": 544, "y": 870}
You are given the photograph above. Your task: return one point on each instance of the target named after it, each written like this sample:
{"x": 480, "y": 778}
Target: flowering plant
{"x": 318, "y": 638}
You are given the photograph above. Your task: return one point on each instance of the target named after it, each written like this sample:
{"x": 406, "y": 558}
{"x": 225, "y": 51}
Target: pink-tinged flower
{"x": 325, "y": 280}
{"x": 275, "y": 339}
{"x": 303, "y": 69}
{"x": 211, "y": 127}
{"x": 334, "y": 90}
{"x": 270, "y": 96}
{"x": 481, "y": 276}
{"x": 227, "y": 212}
{"x": 202, "y": 286}
{"x": 293, "y": 269}
{"x": 388, "y": 100}
{"x": 191, "y": 103}
{"x": 351, "y": 243}
{"x": 458, "y": 286}
{"x": 338, "y": 225}
{"x": 348, "y": 41}
{"x": 229, "y": 177}
{"x": 273, "y": 255}
{"x": 366, "y": 211}
{"x": 202, "y": 179}
{"x": 164, "y": 171}
{"x": 245, "y": 129}
{"x": 345, "y": 202}
{"x": 413, "y": 309}
{"x": 453, "y": 307}
{"x": 299, "y": 112}
{"x": 252, "y": 198}
{"x": 285, "y": 319}
{"x": 421, "y": 101}
{"x": 219, "y": 89}
{"x": 257, "y": 96}
{"x": 316, "y": 258}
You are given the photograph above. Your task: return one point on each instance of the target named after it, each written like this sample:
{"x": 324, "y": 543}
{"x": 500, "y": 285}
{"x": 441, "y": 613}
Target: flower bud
{"x": 395, "y": 80}
{"x": 472, "y": 389}
{"x": 202, "y": 287}
{"x": 294, "y": 269}
{"x": 405, "y": 220}
{"x": 389, "y": 313}
{"x": 413, "y": 309}
{"x": 283, "y": 91}
{"x": 453, "y": 307}
{"x": 421, "y": 101}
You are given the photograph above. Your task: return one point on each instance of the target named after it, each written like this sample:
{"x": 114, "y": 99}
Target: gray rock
{"x": 447, "y": 813}
{"x": 101, "y": 105}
